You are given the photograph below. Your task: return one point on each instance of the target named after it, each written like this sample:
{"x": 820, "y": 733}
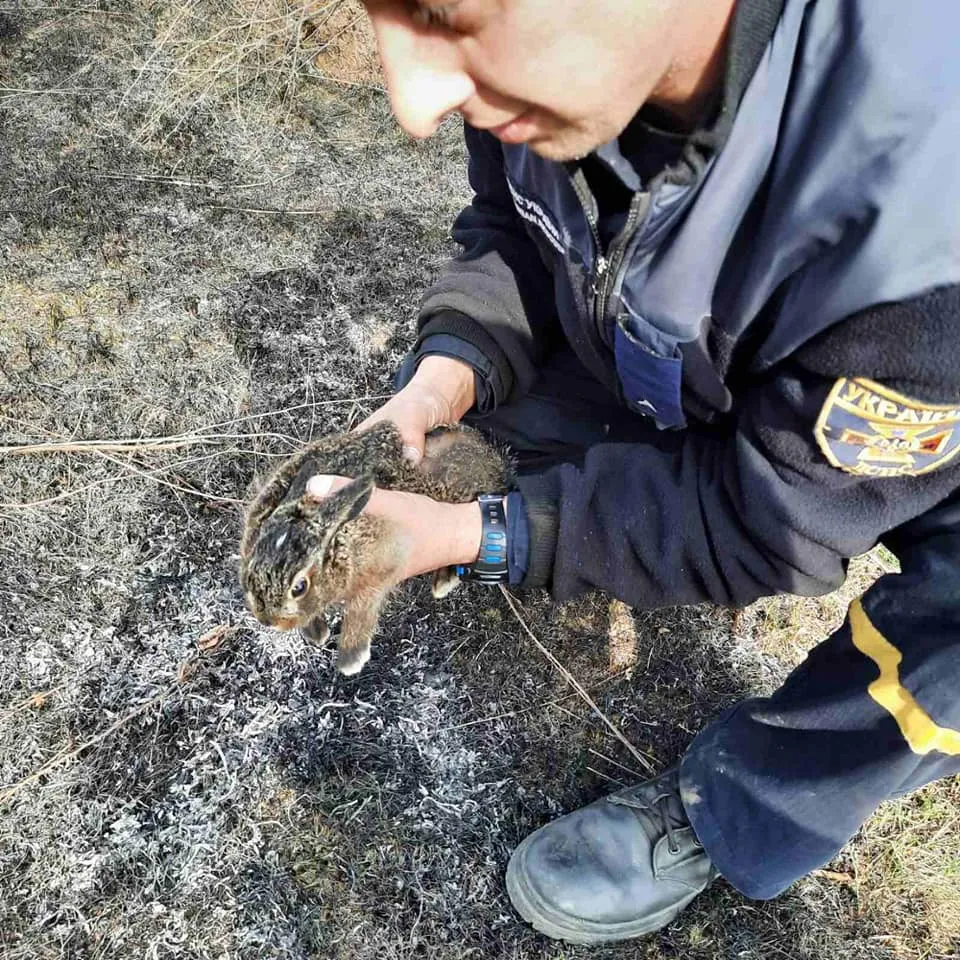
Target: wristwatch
{"x": 490, "y": 567}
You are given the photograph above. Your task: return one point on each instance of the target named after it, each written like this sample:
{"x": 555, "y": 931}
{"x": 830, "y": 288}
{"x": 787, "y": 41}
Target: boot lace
{"x": 657, "y": 808}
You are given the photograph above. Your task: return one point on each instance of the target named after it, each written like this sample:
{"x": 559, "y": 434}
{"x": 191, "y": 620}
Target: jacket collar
{"x": 753, "y": 24}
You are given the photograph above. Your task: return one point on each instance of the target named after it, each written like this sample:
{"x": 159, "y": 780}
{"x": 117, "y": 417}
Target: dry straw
{"x": 250, "y": 55}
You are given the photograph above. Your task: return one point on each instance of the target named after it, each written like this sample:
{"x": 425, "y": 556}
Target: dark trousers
{"x": 776, "y": 785}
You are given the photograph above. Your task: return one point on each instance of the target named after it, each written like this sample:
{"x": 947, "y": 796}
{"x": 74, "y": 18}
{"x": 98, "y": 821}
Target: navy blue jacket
{"x": 783, "y": 293}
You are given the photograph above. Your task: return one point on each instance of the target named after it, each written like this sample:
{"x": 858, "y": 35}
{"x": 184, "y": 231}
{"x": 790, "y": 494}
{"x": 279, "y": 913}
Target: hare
{"x": 298, "y": 556}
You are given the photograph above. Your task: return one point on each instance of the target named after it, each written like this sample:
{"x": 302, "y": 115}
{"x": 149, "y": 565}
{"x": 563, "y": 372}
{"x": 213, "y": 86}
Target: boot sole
{"x": 561, "y": 926}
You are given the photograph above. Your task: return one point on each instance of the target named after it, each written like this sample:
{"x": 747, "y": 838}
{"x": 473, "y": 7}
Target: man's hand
{"x": 441, "y": 391}
{"x": 437, "y": 534}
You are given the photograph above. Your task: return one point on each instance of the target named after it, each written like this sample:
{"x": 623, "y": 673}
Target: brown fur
{"x": 333, "y": 551}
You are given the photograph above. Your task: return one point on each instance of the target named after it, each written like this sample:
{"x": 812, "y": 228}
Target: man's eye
{"x": 441, "y": 17}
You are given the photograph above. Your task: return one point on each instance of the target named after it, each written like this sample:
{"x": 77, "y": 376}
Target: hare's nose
{"x": 256, "y": 608}
{"x": 284, "y": 623}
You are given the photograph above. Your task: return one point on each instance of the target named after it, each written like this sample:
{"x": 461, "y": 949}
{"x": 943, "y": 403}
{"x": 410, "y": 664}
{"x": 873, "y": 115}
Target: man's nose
{"x": 425, "y": 75}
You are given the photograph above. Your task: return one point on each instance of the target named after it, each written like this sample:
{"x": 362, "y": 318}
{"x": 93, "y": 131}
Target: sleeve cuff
{"x": 541, "y": 498}
{"x": 498, "y": 372}
{"x": 518, "y": 539}
{"x": 446, "y": 345}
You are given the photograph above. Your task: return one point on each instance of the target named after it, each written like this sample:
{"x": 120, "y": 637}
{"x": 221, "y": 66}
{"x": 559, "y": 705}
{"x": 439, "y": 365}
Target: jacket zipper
{"x": 589, "y": 210}
{"x": 606, "y": 271}
{"x": 638, "y": 209}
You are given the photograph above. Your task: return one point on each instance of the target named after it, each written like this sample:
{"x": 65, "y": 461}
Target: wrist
{"x": 467, "y": 525}
{"x": 449, "y": 382}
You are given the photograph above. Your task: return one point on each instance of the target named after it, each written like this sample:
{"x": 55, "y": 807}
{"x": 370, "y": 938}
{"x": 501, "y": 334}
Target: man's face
{"x": 562, "y": 76}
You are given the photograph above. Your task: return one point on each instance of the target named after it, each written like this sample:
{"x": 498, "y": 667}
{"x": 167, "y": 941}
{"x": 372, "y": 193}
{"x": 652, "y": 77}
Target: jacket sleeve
{"x": 497, "y": 295}
{"x": 759, "y": 509}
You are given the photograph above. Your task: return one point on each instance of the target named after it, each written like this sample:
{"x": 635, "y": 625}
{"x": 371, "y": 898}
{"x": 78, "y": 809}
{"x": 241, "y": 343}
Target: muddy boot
{"x": 618, "y": 868}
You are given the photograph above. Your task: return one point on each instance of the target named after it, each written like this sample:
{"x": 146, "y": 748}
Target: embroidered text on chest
{"x": 531, "y": 211}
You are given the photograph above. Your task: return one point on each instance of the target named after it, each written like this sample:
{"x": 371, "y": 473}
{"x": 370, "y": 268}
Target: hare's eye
{"x": 299, "y": 587}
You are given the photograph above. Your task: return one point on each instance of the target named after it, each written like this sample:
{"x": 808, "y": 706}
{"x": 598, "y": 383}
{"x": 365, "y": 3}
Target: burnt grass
{"x": 247, "y": 279}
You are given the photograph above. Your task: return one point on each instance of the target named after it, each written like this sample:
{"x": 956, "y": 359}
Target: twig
{"x": 66, "y": 10}
{"x": 362, "y": 85}
{"x": 835, "y": 876}
{"x": 39, "y": 92}
{"x": 46, "y": 501}
{"x": 70, "y": 754}
{"x": 151, "y": 178}
{"x": 149, "y": 475}
{"x": 163, "y": 178}
{"x": 610, "y": 760}
{"x": 132, "y": 472}
{"x": 603, "y": 776}
{"x": 136, "y": 445}
{"x": 34, "y": 701}
{"x": 108, "y": 446}
{"x": 273, "y": 211}
{"x": 537, "y": 706}
{"x": 569, "y": 677}
{"x": 295, "y": 407}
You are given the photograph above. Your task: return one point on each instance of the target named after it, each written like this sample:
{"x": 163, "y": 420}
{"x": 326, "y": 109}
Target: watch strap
{"x": 491, "y": 564}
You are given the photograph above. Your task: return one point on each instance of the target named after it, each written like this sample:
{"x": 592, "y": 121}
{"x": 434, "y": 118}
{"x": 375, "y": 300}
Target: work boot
{"x": 618, "y": 868}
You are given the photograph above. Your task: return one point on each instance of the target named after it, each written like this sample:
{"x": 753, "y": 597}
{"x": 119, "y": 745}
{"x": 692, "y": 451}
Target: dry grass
{"x": 784, "y": 628}
{"x": 252, "y": 56}
{"x": 210, "y": 255}
{"x": 907, "y": 863}
{"x": 346, "y": 49}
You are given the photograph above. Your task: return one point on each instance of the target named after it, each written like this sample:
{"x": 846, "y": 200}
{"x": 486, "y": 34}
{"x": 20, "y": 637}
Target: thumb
{"x": 413, "y": 440}
{"x": 412, "y": 453}
{"x": 322, "y": 485}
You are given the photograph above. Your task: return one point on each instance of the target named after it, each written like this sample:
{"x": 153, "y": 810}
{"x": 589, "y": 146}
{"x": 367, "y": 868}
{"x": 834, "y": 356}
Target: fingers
{"x": 321, "y": 485}
{"x": 441, "y": 392}
{"x": 410, "y": 418}
{"x": 440, "y": 534}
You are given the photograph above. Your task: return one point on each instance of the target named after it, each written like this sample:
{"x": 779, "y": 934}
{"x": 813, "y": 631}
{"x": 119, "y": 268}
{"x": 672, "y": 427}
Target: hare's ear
{"x": 340, "y": 507}
{"x": 353, "y": 498}
{"x": 270, "y": 497}
{"x": 331, "y": 513}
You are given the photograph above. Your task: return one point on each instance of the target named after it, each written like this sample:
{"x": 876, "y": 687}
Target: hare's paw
{"x": 445, "y": 581}
{"x": 316, "y": 631}
{"x": 351, "y": 660}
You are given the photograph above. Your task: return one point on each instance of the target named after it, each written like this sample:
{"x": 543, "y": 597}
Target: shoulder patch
{"x": 871, "y": 431}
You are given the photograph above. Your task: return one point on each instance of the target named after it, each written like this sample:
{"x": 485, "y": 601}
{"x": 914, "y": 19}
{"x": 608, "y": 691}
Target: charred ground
{"x": 232, "y": 260}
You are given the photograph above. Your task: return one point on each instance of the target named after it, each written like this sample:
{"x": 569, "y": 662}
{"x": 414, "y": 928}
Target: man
{"x": 709, "y": 293}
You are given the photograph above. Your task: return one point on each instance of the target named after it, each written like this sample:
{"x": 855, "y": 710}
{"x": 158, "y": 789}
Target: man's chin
{"x": 562, "y": 146}
{"x": 557, "y": 152}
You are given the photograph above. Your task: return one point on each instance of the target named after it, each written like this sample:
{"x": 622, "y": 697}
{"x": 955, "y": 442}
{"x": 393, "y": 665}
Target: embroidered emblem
{"x": 870, "y": 431}
{"x": 531, "y": 211}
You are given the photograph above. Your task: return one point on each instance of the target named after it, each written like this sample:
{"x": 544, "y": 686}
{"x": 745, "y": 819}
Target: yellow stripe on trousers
{"x": 918, "y": 729}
